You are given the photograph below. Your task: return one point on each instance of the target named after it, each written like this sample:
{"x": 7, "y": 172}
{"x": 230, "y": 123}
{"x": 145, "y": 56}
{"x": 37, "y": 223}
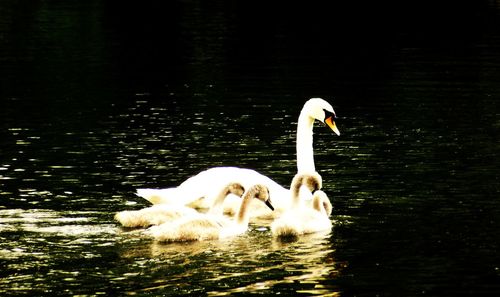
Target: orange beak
{"x": 329, "y": 121}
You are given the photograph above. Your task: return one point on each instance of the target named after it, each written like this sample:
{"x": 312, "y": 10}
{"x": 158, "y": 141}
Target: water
{"x": 98, "y": 100}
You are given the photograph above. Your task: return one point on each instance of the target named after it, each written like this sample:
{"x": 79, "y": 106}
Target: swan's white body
{"x": 212, "y": 225}
{"x": 198, "y": 191}
{"x": 304, "y": 219}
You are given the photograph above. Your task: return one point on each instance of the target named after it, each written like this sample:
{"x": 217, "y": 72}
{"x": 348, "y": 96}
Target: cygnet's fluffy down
{"x": 304, "y": 219}
{"x": 211, "y": 226}
{"x": 164, "y": 213}
{"x": 153, "y": 215}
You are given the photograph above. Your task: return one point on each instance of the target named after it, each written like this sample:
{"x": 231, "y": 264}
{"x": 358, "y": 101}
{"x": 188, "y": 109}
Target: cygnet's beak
{"x": 331, "y": 123}
{"x": 268, "y": 203}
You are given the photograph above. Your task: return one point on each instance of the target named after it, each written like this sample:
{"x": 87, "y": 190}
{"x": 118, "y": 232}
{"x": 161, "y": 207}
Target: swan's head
{"x": 319, "y": 109}
{"x": 236, "y": 189}
{"x": 321, "y": 202}
{"x": 261, "y": 192}
{"x": 311, "y": 180}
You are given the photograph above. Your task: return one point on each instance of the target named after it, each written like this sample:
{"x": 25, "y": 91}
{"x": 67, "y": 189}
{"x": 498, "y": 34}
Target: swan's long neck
{"x": 243, "y": 217}
{"x": 295, "y": 191}
{"x": 305, "y": 153}
{"x": 318, "y": 204}
{"x": 219, "y": 200}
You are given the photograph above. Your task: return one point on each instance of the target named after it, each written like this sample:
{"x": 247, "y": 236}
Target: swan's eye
{"x": 329, "y": 115}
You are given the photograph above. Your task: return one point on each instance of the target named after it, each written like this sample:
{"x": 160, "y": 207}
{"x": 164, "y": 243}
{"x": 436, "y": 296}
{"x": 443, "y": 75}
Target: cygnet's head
{"x": 322, "y": 111}
{"x": 312, "y": 180}
{"x": 261, "y": 192}
{"x": 236, "y": 189}
{"x": 322, "y": 203}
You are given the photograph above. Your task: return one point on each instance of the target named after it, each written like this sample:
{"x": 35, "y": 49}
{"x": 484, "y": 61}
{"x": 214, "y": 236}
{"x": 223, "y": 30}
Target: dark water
{"x": 98, "y": 99}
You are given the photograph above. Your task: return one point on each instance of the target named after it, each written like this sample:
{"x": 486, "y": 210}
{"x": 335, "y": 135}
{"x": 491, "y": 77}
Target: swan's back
{"x": 153, "y": 215}
{"x": 197, "y": 229}
{"x": 286, "y": 227}
{"x": 200, "y": 190}
{"x": 300, "y": 221}
{"x": 317, "y": 218}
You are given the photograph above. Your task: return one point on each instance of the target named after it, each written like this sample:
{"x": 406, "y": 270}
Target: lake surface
{"x": 97, "y": 100}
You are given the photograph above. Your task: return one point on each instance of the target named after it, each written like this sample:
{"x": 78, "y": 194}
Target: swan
{"x": 211, "y": 226}
{"x": 162, "y": 213}
{"x": 199, "y": 190}
{"x": 301, "y": 218}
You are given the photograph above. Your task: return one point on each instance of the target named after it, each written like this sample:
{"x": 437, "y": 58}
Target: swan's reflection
{"x": 252, "y": 262}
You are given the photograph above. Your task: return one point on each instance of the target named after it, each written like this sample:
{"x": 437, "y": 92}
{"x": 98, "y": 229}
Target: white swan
{"x": 200, "y": 190}
{"x": 162, "y": 213}
{"x": 304, "y": 219}
{"x": 211, "y": 226}
{"x": 314, "y": 109}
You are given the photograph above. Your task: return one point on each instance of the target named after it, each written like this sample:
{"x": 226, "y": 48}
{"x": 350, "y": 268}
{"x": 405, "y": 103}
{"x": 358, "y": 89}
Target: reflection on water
{"x": 41, "y": 247}
{"x": 253, "y": 262}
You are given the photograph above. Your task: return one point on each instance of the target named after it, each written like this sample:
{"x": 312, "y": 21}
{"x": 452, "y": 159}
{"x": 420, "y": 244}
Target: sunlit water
{"x": 413, "y": 178}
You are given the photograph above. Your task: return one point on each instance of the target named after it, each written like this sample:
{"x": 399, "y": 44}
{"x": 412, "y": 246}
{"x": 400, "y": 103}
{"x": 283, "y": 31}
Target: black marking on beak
{"x": 329, "y": 114}
{"x": 268, "y": 203}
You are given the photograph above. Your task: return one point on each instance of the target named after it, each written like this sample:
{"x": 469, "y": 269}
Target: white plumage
{"x": 163, "y": 213}
{"x": 211, "y": 225}
{"x": 301, "y": 218}
{"x": 153, "y": 215}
